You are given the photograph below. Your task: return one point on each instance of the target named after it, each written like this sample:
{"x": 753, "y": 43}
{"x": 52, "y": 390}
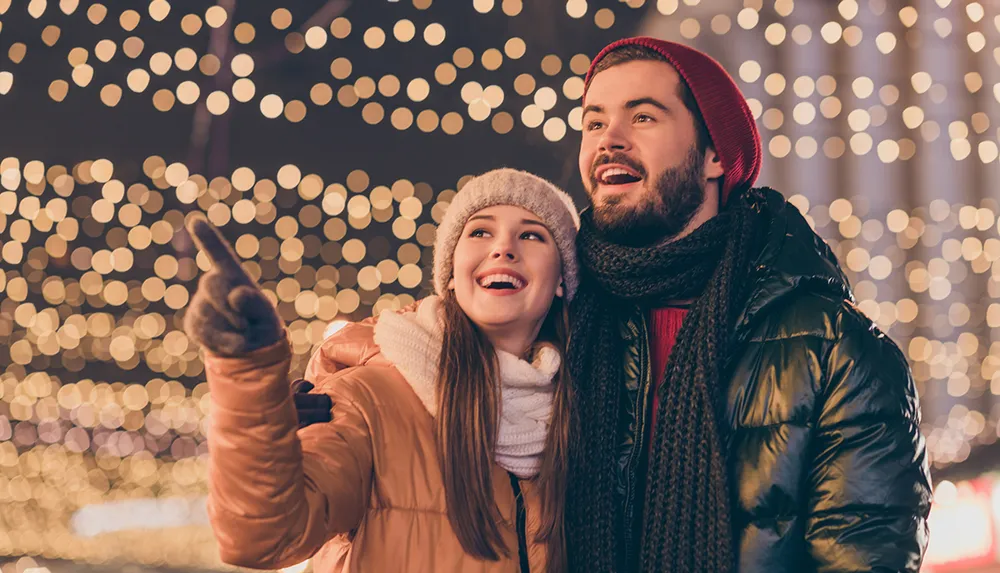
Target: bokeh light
{"x": 102, "y": 395}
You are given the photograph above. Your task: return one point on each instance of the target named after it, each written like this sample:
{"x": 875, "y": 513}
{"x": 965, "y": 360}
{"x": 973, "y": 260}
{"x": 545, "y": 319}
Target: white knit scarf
{"x": 412, "y": 342}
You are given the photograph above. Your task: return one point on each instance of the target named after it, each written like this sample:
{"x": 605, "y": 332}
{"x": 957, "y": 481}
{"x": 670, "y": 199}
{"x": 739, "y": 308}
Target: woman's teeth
{"x": 501, "y": 281}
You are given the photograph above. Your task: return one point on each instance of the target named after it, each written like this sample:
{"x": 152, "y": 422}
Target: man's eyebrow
{"x": 632, "y": 104}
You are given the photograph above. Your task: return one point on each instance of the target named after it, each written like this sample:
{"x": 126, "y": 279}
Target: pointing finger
{"x": 213, "y": 244}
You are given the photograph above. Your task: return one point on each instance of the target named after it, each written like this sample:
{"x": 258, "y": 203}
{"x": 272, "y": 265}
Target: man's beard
{"x": 664, "y": 210}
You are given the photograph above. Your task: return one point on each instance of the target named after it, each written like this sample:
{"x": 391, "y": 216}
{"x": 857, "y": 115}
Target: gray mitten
{"x": 228, "y": 315}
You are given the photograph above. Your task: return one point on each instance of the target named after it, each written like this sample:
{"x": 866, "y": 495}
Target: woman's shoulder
{"x": 351, "y": 345}
{"x": 372, "y": 384}
{"x": 378, "y": 393}
{"x": 363, "y": 383}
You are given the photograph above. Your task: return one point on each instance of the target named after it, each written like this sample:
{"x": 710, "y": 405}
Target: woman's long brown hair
{"x": 468, "y": 412}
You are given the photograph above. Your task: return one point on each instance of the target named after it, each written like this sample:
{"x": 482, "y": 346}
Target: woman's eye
{"x": 478, "y": 233}
{"x": 533, "y": 235}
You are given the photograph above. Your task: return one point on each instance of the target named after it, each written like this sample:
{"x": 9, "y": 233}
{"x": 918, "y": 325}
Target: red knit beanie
{"x": 730, "y": 123}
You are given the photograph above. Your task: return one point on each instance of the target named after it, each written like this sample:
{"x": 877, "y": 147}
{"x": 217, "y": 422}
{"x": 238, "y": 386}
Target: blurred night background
{"x": 326, "y": 138}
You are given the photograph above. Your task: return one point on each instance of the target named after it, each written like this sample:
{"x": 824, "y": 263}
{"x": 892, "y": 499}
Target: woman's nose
{"x": 503, "y": 252}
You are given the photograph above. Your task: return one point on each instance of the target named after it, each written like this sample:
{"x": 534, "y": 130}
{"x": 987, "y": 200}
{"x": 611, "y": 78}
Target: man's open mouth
{"x": 616, "y": 175}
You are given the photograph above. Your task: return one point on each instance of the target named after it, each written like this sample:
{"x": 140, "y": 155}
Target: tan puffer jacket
{"x": 363, "y": 493}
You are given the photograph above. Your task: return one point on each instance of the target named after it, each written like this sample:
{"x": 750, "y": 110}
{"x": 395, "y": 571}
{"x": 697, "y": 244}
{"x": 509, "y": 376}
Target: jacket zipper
{"x": 642, "y": 398}
{"x": 522, "y": 541}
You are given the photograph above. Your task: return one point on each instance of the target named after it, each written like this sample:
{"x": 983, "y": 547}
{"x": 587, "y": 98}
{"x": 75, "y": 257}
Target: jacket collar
{"x": 794, "y": 258}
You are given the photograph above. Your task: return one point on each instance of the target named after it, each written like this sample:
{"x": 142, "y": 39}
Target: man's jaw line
{"x": 624, "y": 218}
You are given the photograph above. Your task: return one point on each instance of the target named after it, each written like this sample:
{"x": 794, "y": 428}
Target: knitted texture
{"x": 686, "y": 524}
{"x": 509, "y": 187}
{"x": 727, "y": 115}
{"x": 664, "y": 326}
{"x": 412, "y": 343}
{"x": 228, "y": 314}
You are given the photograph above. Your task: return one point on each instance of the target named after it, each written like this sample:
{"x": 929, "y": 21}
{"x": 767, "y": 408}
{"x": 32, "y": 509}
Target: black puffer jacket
{"x": 827, "y": 464}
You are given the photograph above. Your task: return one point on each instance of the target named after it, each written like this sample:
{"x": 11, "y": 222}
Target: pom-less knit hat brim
{"x": 507, "y": 186}
{"x": 730, "y": 122}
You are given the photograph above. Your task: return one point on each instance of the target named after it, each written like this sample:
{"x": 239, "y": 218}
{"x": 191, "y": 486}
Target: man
{"x": 734, "y": 410}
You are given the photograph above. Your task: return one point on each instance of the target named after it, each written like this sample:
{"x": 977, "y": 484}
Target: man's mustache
{"x": 619, "y": 158}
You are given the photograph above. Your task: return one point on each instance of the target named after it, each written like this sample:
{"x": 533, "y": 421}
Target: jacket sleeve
{"x": 869, "y": 482}
{"x": 276, "y": 496}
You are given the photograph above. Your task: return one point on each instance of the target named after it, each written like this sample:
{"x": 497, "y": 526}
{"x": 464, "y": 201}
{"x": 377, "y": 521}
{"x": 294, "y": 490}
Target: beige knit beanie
{"x": 520, "y": 189}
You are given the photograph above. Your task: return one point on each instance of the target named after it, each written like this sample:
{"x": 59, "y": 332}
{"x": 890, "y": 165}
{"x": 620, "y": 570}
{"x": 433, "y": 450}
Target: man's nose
{"x": 614, "y": 139}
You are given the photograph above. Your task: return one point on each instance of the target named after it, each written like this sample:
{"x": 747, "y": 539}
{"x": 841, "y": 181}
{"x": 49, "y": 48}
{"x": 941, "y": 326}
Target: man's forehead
{"x": 638, "y": 79}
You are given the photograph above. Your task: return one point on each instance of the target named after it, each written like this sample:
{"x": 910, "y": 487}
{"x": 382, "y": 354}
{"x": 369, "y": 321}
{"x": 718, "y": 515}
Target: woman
{"x": 449, "y": 421}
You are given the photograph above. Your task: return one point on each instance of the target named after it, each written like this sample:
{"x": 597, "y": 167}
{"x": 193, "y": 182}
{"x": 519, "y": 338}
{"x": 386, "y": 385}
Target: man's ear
{"x": 712, "y": 168}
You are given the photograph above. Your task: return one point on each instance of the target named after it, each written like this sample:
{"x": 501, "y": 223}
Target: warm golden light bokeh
{"x": 100, "y": 389}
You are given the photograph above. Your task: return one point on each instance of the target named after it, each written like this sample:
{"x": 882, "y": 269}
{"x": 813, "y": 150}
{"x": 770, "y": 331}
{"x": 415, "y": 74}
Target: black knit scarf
{"x": 687, "y": 523}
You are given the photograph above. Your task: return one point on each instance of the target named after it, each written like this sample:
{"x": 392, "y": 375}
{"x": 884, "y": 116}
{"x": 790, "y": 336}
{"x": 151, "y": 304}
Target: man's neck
{"x": 705, "y": 213}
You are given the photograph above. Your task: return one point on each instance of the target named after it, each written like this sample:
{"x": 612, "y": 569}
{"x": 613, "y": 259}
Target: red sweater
{"x": 664, "y": 324}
